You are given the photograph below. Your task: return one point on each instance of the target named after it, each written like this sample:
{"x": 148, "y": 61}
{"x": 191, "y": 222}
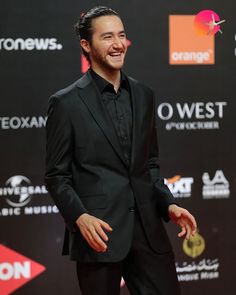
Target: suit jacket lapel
{"x": 136, "y": 110}
{"x": 91, "y": 97}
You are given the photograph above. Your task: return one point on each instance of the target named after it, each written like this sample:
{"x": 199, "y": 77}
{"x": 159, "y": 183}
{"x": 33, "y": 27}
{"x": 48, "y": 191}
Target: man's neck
{"x": 112, "y": 77}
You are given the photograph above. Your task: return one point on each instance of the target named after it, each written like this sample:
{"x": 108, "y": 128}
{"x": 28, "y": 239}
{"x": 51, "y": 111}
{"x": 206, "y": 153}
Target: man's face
{"x": 108, "y": 47}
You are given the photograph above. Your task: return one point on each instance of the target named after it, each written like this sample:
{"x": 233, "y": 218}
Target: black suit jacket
{"x": 86, "y": 170}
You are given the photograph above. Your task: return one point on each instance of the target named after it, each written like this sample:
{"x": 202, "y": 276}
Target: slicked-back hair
{"x": 84, "y": 28}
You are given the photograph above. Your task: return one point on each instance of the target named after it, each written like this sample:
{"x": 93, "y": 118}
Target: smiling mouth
{"x": 116, "y": 55}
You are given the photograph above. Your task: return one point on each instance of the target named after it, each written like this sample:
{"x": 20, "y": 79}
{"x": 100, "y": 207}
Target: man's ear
{"x": 85, "y": 45}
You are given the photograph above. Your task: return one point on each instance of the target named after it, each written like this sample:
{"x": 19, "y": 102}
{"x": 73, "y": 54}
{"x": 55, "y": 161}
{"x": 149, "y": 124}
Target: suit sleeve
{"x": 59, "y": 149}
{"x": 164, "y": 196}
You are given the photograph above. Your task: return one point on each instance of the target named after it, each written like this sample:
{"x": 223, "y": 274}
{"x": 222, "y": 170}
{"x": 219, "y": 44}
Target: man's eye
{"x": 107, "y": 37}
{"x": 122, "y": 36}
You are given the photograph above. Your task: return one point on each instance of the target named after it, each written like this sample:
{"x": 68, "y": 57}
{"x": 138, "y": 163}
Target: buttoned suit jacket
{"x": 86, "y": 171}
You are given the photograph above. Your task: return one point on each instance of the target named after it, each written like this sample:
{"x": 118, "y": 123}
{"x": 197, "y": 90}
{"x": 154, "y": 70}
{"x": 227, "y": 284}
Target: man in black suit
{"x": 103, "y": 174}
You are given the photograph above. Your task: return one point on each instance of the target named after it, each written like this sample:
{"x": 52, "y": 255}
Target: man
{"x": 103, "y": 175}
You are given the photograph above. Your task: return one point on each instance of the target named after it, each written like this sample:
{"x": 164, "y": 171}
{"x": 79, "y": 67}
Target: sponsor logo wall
{"x": 195, "y": 268}
{"x": 186, "y": 53}
{"x": 188, "y": 47}
{"x": 18, "y": 193}
{"x": 192, "y": 115}
{"x": 16, "y": 270}
{"x": 216, "y": 188}
{"x": 10, "y": 44}
{"x": 17, "y": 122}
{"x": 180, "y": 187}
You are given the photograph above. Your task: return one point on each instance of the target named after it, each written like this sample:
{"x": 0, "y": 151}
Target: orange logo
{"x": 186, "y": 47}
{"x": 16, "y": 270}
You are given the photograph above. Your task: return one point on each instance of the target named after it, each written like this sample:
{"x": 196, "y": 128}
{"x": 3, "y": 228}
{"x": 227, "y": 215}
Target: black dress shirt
{"x": 118, "y": 106}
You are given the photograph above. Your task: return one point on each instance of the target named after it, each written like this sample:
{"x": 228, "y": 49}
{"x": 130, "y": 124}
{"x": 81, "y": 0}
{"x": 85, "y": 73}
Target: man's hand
{"x": 92, "y": 230}
{"x": 184, "y": 219}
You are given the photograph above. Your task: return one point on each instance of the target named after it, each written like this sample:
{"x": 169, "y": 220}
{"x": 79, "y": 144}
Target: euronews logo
{"x": 29, "y": 44}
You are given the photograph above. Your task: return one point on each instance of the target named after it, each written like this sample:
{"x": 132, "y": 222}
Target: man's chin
{"x": 116, "y": 65}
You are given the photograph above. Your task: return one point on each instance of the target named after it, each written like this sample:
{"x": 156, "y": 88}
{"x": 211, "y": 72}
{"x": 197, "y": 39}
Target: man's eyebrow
{"x": 111, "y": 33}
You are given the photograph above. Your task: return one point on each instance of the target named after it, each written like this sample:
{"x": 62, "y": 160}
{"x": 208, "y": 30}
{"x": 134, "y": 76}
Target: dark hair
{"x": 84, "y": 29}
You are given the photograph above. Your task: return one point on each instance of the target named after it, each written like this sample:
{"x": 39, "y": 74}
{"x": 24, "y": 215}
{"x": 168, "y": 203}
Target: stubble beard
{"x": 103, "y": 61}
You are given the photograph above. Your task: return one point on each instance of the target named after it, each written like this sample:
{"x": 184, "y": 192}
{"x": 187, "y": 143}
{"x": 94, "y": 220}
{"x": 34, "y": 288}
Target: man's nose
{"x": 117, "y": 43}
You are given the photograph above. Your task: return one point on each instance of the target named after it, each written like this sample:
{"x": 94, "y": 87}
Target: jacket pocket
{"x": 98, "y": 201}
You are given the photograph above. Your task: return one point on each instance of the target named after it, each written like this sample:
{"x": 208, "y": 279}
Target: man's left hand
{"x": 184, "y": 219}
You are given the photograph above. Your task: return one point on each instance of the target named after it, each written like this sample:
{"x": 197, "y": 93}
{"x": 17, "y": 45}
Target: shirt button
{"x": 121, "y": 117}
{"x": 131, "y": 209}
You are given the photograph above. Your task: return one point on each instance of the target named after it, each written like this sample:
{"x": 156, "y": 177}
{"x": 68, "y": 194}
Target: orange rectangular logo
{"x": 185, "y": 46}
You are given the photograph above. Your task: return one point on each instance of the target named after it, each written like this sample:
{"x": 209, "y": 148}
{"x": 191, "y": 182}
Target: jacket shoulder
{"x": 71, "y": 90}
{"x": 65, "y": 93}
{"x": 140, "y": 85}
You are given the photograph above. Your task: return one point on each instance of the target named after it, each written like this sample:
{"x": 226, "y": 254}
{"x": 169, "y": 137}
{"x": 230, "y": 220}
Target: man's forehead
{"x": 107, "y": 22}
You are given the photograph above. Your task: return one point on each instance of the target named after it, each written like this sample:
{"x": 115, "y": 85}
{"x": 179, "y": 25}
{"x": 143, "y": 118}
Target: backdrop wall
{"x": 194, "y": 80}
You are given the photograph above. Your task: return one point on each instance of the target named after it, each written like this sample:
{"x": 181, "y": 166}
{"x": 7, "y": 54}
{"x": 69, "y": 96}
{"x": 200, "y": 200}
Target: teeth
{"x": 115, "y": 54}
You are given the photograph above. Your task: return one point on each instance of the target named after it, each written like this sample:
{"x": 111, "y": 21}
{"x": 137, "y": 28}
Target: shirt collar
{"x": 103, "y": 83}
